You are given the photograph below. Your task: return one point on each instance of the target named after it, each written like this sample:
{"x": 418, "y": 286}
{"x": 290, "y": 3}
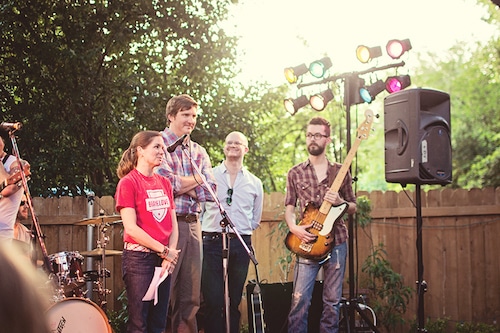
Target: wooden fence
{"x": 461, "y": 252}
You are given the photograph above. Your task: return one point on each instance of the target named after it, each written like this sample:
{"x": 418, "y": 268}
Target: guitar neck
{"x": 339, "y": 179}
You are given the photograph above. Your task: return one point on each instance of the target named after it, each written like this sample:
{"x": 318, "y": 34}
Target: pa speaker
{"x": 417, "y": 137}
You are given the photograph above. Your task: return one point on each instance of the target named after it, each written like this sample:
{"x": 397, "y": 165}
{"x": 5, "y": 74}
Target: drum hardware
{"x": 67, "y": 273}
{"x": 98, "y": 252}
{"x": 103, "y": 219}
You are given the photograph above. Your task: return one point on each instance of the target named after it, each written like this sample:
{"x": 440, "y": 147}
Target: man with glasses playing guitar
{"x": 309, "y": 186}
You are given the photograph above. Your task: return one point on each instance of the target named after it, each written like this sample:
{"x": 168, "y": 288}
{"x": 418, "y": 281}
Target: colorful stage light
{"x": 293, "y": 105}
{"x": 319, "y": 101}
{"x": 318, "y": 68}
{"x": 397, "y": 83}
{"x": 396, "y": 48}
{"x": 292, "y": 73}
{"x": 369, "y": 93}
{"x": 365, "y": 54}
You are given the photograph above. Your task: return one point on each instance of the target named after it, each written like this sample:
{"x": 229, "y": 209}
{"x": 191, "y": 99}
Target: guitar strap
{"x": 5, "y": 158}
{"x": 332, "y": 173}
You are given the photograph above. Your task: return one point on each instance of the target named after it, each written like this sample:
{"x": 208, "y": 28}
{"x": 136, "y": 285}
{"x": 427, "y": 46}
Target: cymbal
{"x": 100, "y": 219}
{"x": 99, "y": 251}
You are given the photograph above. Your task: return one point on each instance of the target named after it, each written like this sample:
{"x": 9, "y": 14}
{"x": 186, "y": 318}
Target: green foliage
{"x": 437, "y": 326}
{"x": 471, "y": 77}
{"x": 389, "y": 295}
{"x": 118, "y": 319}
{"x": 476, "y": 328}
{"x": 363, "y": 210}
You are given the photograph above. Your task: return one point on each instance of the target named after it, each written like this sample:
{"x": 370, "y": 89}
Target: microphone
{"x": 11, "y": 126}
{"x": 177, "y": 143}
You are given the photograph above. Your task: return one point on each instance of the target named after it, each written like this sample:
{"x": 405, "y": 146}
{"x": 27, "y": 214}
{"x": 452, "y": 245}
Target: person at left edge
{"x": 11, "y": 195}
{"x": 189, "y": 192}
{"x": 145, "y": 202}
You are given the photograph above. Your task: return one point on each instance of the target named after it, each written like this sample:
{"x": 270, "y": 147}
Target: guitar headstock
{"x": 365, "y": 127}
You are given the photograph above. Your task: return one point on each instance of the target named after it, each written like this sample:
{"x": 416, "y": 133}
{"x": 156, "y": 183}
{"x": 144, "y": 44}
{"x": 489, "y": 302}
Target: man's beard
{"x": 315, "y": 149}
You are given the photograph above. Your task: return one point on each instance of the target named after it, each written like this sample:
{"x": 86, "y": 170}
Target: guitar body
{"x": 16, "y": 176}
{"x": 322, "y": 226}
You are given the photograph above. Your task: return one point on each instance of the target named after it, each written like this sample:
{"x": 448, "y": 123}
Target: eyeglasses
{"x": 236, "y": 143}
{"x": 22, "y": 203}
{"x": 229, "y": 199}
{"x": 316, "y": 136}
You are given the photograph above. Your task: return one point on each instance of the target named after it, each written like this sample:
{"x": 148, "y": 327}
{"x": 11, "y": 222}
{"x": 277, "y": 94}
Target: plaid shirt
{"x": 302, "y": 186}
{"x": 177, "y": 164}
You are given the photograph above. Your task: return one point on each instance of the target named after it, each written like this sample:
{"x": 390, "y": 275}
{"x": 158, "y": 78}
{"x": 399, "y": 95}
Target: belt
{"x": 189, "y": 218}
{"x": 214, "y": 235}
{"x": 136, "y": 247}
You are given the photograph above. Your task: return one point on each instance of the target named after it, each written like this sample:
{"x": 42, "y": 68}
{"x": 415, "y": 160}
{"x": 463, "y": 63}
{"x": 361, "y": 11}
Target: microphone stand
{"x": 225, "y": 222}
{"x": 24, "y": 180}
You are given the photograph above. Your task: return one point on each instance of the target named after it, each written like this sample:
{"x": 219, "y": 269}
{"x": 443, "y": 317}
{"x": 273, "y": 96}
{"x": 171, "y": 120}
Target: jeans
{"x": 143, "y": 316}
{"x": 186, "y": 279}
{"x": 212, "y": 282}
{"x": 303, "y": 284}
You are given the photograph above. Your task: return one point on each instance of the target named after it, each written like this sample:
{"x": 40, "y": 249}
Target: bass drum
{"x": 77, "y": 315}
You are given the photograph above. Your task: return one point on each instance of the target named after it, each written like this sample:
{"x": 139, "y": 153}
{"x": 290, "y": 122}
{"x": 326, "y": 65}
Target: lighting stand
{"x": 352, "y": 305}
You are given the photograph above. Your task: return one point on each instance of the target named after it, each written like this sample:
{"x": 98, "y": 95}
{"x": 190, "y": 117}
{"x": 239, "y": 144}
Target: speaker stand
{"x": 421, "y": 284}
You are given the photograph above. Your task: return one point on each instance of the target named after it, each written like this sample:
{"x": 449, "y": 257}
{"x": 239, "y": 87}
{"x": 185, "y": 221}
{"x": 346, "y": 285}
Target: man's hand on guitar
{"x": 333, "y": 198}
{"x": 301, "y": 232}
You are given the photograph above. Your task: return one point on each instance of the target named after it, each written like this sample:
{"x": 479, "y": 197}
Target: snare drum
{"x": 67, "y": 266}
{"x": 77, "y": 315}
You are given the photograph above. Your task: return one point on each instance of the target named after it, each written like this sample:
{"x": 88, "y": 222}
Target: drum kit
{"x": 72, "y": 311}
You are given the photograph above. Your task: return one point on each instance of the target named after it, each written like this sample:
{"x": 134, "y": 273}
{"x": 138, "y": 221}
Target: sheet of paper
{"x": 152, "y": 292}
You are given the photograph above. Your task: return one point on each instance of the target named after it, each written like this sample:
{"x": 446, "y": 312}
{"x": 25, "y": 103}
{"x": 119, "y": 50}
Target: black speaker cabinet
{"x": 417, "y": 137}
{"x": 276, "y": 300}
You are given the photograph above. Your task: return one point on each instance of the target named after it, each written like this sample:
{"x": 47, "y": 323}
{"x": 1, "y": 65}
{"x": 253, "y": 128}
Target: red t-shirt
{"x": 152, "y": 199}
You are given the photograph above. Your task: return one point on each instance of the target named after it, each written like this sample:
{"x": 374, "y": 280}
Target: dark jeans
{"x": 212, "y": 282}
{"x": 143, "y": 316}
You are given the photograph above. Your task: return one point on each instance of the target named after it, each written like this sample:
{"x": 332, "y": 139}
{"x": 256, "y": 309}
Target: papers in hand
{"x": 152, "y": 292}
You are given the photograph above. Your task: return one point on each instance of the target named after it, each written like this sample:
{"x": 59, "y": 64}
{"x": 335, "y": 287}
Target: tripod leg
{"x": 366, "y": 318}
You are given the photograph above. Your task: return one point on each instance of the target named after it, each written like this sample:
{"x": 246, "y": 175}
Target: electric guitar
{"x": 324, "y": 218}
{"x": 16, "y": 176}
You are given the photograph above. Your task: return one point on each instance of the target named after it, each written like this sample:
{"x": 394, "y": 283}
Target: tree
{"x": 84, "y": 76}
{"x": 471, "y": 77}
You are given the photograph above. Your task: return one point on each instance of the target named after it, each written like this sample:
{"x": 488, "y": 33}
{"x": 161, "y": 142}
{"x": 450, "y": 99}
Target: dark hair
{"x": 129, "y": 157}
{"x": 179, "y": 103}
{"x": 321, "y": 121}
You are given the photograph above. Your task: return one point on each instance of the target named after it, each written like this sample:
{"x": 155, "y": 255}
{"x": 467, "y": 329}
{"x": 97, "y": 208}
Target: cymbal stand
{"x": 101, "y": 290}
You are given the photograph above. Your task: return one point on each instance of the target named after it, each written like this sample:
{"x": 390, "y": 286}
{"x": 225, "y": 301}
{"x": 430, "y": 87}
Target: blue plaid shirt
{"x": 177, "y": 164}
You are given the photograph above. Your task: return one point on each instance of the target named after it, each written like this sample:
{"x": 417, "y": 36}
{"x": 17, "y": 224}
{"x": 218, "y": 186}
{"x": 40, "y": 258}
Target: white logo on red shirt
{"x": 158, "y": 204}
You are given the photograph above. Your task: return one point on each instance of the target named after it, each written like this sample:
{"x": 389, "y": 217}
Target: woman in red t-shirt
{"x": 146, "y": 205}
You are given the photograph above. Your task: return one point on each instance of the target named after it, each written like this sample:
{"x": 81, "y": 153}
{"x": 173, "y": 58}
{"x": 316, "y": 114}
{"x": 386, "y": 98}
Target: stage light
{"x": 396, "y": 48}
{"x": 319, "y": 101}
{"x": 397, "y": 83}
{"x": 318, "y": 68}
{"x": 365, "y": 53}
{"x": 292, "y": 73}
{"x": 369, "y": 93}
{"x": 293, "y": 105}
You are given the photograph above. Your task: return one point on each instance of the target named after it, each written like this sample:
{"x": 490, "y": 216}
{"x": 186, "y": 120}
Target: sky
{"x": 275, "y": 34}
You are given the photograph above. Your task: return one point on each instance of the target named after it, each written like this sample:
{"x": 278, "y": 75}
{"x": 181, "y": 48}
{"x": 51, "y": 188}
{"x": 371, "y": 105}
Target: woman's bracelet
{"x": 163, "y": 254}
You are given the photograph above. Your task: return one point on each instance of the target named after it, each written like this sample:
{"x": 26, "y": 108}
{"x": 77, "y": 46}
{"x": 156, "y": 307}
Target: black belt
{"x": 189, "y": 218}
{"x": 219, "y": 234}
